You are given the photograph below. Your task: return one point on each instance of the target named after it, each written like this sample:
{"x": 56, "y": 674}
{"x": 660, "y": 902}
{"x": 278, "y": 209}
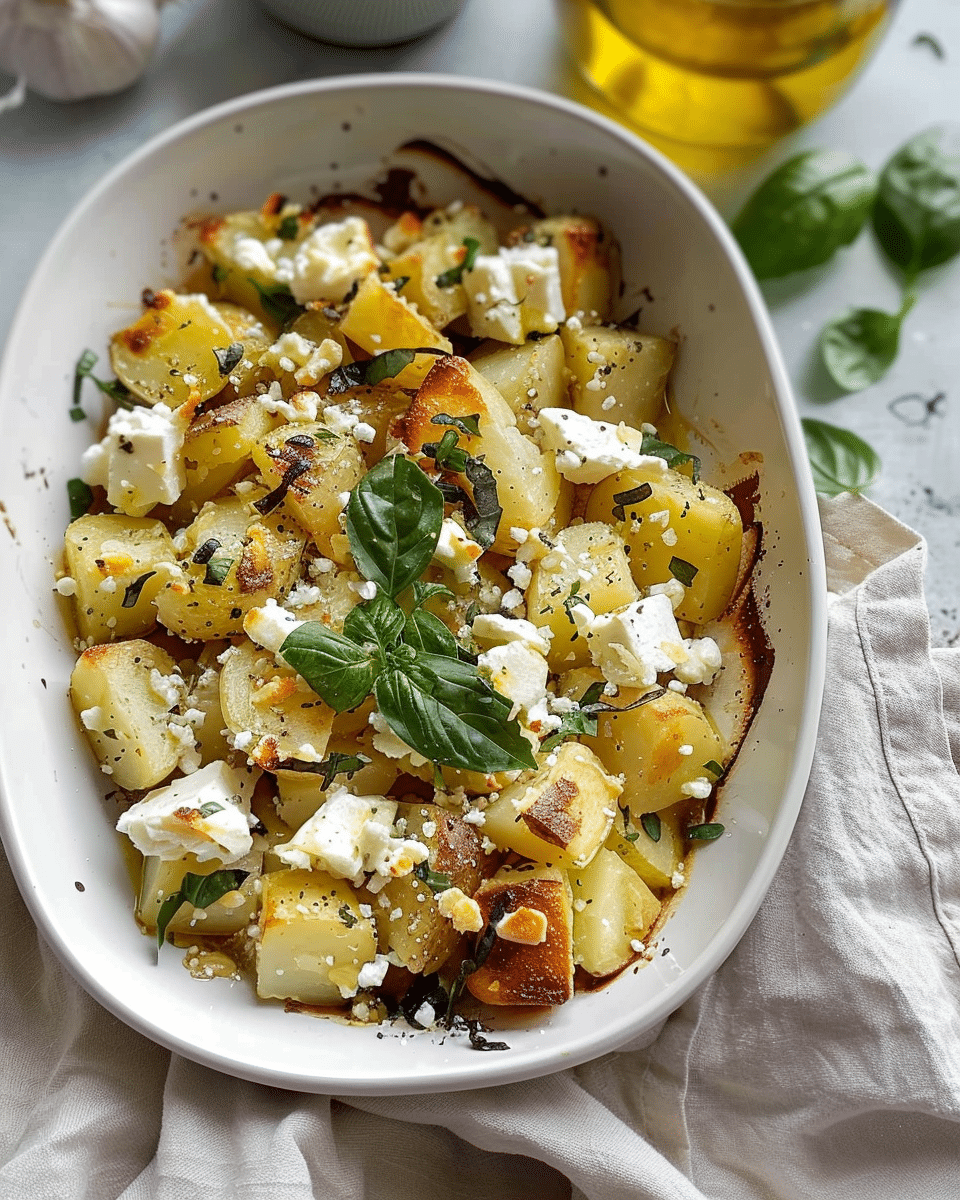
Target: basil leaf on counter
{"x": 339, "y": 671}
{"x": 859, "y": 347}
{"x": 841, "y": 461}
{"x": 446, "y": 712}
{"x": 199, "y": 890}
{"x": 393, "y": 522}
{"x": 804, "y": 212}
{"x": 917, "y": 214}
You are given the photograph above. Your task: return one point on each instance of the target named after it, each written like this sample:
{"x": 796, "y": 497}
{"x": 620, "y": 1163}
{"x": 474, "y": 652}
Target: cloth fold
{"x": 821, "y": 1060}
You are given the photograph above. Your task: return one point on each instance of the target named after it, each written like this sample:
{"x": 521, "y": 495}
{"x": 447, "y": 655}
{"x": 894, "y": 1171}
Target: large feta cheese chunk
{"x": 205, "y": 814}
{"x": 515, "y": 292}
{"x": 518, "y": 672}
{"x": 492, "y": 629}
{"x": 351, "y": 837}
{"x": 139, "y": 460}
{"x": 587, "y": 450}
{"x": 329, "y": 261}
{"x": 457, "y": 551}
{"x": 250, "y": 254}
{"x": 270, "y": 625}
{"x": 632, "y": 645}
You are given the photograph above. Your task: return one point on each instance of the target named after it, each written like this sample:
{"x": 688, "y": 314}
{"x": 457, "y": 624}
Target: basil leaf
{"x": 393, "y": 522}
{"x": 454, "y": 275}
{"x": 424, "y": 631}
{"x": 289, "y": 228}
{"x": 859, "y": 347}
{"x": 674, "y": 457}
{"x": 345, "y": 913}
{"x": 132, "y": 594}
{"x": 469, "y": 426}
{"x": 422, "y": 592}
{"x": 217, "y": 571}
{"x": 841, "y": 461}
{"x": 650, "y": 823}
{"x": 917, "y": 214}
{"x": 375, "y": 370}
{"x": 446, "y": 453}
{"x": 204, "y": 553}
{"x": 684, "y": 571}
{"x": 80, "y": 496}
{"x": 277, "y": 302}
{"x": 571, "y": 601}
{"x": 804, "y": 212}
{"x": 482, "y": 514}
{"x": 445, "y": 711}
{"x": 436, "y": 881}
{"x": 110, "y": 387}
{"x": 708, "y": 832}
{"x": 378, "y": 621}
{"x": 228, "y": 357}
{"x": 632, "y": 496}
{"x": 199, "y": 890}
{"x": 340, "y": 764}
{"x": 339, "y": 671}
{"x": 713, "y": 767}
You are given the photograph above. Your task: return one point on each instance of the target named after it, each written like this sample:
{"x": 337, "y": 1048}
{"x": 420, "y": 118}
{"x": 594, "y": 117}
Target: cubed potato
{"x": 408, "y": 919}
{"x": 589, "y": 263}
{"x": 590, "y": 558}
{"x": 315, "y": 467}
{"x": 530, "y": 490}
{"x": 519, "y": 973}
{"x": 679, "y": 519}
{"x": 271, "y": 709}
{"x": 659, "y": 748}
{"x": 320, "y": 322}
{"x": 244, "y": 278}
{"x": 300, "y": 793}
{"x": 617, "y": 374}
{"x": 313, "y": 938}
{"x": 379, "y": 318}
{"x": 613, "y": 909}
{"x": 124, "y": 714}
{"x": 160, "y": 878}
{"x": 562, "y": 814}
{"x": 217, "y": 450}
{"x": 211, "y": 742}
{"x": 249, "y": 332}
{"x": 654, "y": 861}
{"x": 528, "y": 377}
{"x": 244, "y": 559}
{"x": 378, "y": 407}
{"x": 168, "y": 354}
{"x": 108, "y": 555}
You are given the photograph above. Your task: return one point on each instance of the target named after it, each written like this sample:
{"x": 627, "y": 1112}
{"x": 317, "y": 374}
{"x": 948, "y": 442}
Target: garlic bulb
{"x": 69, "y": 49}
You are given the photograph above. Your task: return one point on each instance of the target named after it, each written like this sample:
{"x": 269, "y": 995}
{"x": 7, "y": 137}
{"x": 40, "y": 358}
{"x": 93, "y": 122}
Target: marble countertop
{"x": 212, "y": 50}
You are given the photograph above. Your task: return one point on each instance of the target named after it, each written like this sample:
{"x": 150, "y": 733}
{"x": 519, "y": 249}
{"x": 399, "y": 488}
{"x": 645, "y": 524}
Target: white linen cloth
{"x": 821, "y": 1061}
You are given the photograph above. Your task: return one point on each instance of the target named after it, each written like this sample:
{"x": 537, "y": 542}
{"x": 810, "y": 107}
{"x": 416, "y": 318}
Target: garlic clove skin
{"x": 71, "y": 49}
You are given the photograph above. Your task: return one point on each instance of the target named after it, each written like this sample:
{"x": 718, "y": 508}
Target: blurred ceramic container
{"x": 363, "y": 22}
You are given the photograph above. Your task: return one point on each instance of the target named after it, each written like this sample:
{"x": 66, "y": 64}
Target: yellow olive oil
{"x": 733, "y": 75}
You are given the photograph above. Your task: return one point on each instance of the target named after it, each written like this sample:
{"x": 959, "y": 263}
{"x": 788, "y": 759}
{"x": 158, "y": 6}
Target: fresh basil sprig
{"x": 393, "y": 522}
{"x": 804, "y": 212}
{"x": 199, "y": 890}
{"x": 841, "y": 461}
{"x": 860, "y": 345}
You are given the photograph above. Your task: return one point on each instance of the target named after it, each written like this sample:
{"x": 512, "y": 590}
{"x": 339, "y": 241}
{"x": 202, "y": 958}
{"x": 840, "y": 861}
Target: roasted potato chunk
{"x": 612, "y": 911}
{"x": 617, "y": 374}
{"x": 589, "y": 263}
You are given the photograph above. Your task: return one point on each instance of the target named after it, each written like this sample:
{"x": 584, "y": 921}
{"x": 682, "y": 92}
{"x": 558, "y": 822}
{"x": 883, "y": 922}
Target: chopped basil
{"x": 289, "y": 228}
{"x": 621, "y": 500}
{"x": 400, "y": 282}
{"x": 199, "y": 890}
{"x": 80, "y": 496}
{"x": 266, "y": 504}
{"x": 650, "y": 823}
{"x": 483, "y": 513}
{"x": 708, "y": 832}
{"x": 469, "y": 426}
{"x": 217, "y": 571}
{"x": 684, "y": 571}
{"x": 113, "y": 388}
{"x": 277, "y": 302}
{"x": 228, "y": 357}
{"x": 205, "y": 552}
{"x": 132, "y": 594}
{"x": 372, "y": 371}
{"x": 219, "y": 273}
{"x": 446, "y": 453}
{"x": 454, "y": 275}
{"x": 713, "y": 767}
{"x": 485, "y": 944}
{"x": 340, "y": 764}
{"x": 346, "y": 915}
{"x": 436, "y": 881}
{"x": 571, "y": 602}
{"x": 674, "y": 457}
{"x": 211, "y": 807}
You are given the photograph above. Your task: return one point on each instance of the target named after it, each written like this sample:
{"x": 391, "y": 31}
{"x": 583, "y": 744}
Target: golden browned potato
{"x": 589, "y": 263}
